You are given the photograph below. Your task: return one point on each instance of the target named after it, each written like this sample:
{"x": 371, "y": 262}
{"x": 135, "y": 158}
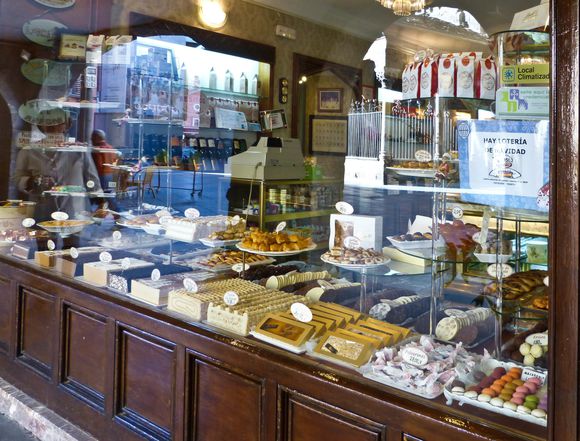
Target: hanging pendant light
{"x": 404, "y": 8}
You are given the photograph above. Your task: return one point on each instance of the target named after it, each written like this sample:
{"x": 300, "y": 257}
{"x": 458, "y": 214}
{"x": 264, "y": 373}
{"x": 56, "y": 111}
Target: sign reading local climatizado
{"x": 505, "y": 163}
{"x": 522, "y": 103}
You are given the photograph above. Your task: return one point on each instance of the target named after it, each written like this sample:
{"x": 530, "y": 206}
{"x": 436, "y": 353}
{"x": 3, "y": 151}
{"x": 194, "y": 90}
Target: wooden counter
{"x": 124, "y": 371}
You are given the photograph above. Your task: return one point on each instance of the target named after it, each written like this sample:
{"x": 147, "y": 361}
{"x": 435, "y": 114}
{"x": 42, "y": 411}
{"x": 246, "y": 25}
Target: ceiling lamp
{"x": 212, "y": 13}
{"x": 404, "y": 8}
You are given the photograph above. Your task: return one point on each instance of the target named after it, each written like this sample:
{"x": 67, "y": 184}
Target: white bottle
{"x": 243, "y": 83}
{"x": 212, "y": 79}
{"x": 229, "y": 81}
{"x": 254, "y": 86}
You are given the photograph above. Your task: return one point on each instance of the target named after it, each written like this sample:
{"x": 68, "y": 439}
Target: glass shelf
{"x": 230, "y": 93}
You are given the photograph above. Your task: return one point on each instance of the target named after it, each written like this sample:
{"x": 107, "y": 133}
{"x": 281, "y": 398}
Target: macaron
{"x": 515, "y": 371}
{"x": 518, "y": 382}
{"x": 500, "y": 382}
{"x": 518, "y": 401}
{"x": 507, "y": 378}
{"x": 458, "y": 383}
{"x": 478, "y": 375}
{"x": 498, "y": 372}
{"x": 521, "y": 395}
{"x": 510, "y": 406}
{"x": 484, "y": 398}
{"x": 497, "y": 402}
{"x": 524, "y": 410}
{"x": 539, "y": 413}
{"x": 535, "y": 380}
{"x": 505, "y": 396}
{"x": 471, "y": 394}
{"x": 522, "y": 389}
{"x": 496, "y": 388}
{"x": 532, "y": 399}
{"x": 530, "y": 405}
{"x": 531, "y": 387}
{"x": 489, "y": 391}
{"x": 510, "y": 386}
{"x": 458, "y": 390}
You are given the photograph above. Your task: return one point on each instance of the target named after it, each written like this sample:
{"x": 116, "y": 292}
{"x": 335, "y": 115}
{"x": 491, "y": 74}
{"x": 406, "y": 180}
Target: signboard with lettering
{"x": 525, "y": 74}
{"x": 505, "y": 163}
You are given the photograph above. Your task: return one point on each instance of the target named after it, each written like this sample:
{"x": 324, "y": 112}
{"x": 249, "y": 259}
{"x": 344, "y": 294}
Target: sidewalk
{"x": 10, "y": 430}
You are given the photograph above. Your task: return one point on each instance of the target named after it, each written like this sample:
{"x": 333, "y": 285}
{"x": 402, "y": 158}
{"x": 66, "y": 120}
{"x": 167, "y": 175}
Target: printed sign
{"x": 74, "y": 253}
{"x": 28, "y": 222}
{"x": 117, "y": 235}
{"x": 414, "y": 356}
{"x": 526, "y": 74}
{"x": 344, "y": 207}
{"x": 59, "y": 215}
{"x": 505, "y": 163}
{"x": 192, "y": 213}
{"x": 105, "y": 257}
{"x": 239, "y": 267}
{"x": 522, "y": 103}
{"x": 538, "y": 339}
{"x": 528, "y": 373}
{"x": 280, "y": 226}
{"x": 495, "y": 268}
{"x": 126, "y": 263}
{"x": 301, "y": 312}
{"x": 155, "y": 275}
{"x": 231, "y": 298}
{"x": 51, "y": 245}
{"x": 457, "y": 212}
{"x": 190, "y": 284}
{"x": 423, "y": 156}
{"x": 351, "y": 242}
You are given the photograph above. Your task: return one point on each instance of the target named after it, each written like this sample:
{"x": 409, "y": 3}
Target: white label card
{"x": 74, "y": 253}
{"x": 280, "y": 226}
{"x": 538, "y": 339}
{"x": 231, "y": 298}
{"x": 235, "y": 220}
{"x": 301, "y": 312}
{"x": 105, "y": 257}
{"x": 423, "y": 156}
{"x": 344, "y": 207}
{"x": 90, "y": 184}
{"x": 351, "y": 242}
{"x": 457, "y": 212}
{"x": 117, "y": 235}
{"x": 155, "y": 275}
{"x": 528, "y": 373}
{"x": 192, "y": 213}
{"x": 239, "y": 267}
{"x": 190, "y": 285}
{"x": 495, "y": 268}
{"x": 51, "y": 245}
{"x": 414, "y": 356}
{"x": 125, "y": 263}
{"x": 28, "y": 222}
{"x": 59, "y": 215}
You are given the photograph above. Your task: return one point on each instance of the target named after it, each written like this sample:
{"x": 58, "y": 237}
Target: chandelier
{"x": 404, "y": 8}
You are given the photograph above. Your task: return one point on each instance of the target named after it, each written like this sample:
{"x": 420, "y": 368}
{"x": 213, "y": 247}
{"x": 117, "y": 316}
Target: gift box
{"x": 446, "y": 77}
{"x": 368, "y": 229}
{"x": 465, "y": 77}
{"x": 429, "y": 79}
{"x": 485, "y": 79}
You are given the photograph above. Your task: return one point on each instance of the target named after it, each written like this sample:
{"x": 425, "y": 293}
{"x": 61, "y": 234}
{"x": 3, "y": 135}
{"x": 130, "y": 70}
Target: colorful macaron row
{"x": 507, "y": 390}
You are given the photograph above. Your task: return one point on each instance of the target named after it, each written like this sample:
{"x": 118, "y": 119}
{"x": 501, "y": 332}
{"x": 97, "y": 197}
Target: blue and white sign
{"x": 505, "y": 163}
{"x": 522, "y": 103}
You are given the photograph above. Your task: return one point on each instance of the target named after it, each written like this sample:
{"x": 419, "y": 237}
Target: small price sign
{"x": 415, "y": 356}
{"x": 344, "y": 207}
{"x": 105, "y": 257}
{"x": 547, "y": 280}
{"x": 74, "y": 253}
{"x": 301, "y": 312}
{"x": 90, "y": 184}
{"x": 155, "y": 275}
{"x": 28, "y": 222}
{"x": 117, "y": 235}
{"x": 51, "y": 245}
{"x": 231, "y": 298}
{"x": 351, "y": 242}
{"x": 423, "y": 156}
{"x": 538, "y": 339}
{"x": 500, "y": 268}
{"x": 190, "y": 284}
{"x": 126, "y": 263}
{"x": 457, "y": 212}
{"x": 236, "y": 220}
{"x": 239, "y": 267}
{"x": 280, "y": 227}
{"x": 59, "y": 215}
{"x": 192, "y": 213}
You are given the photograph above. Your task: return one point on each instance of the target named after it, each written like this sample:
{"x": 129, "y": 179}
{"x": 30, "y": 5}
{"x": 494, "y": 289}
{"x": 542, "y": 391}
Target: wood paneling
{"x": 84, "y": 356}
{"x": 37, "y": 325}
{"x": 6, "y": 315}
{"x": 225, "y": 405}
{"x": 145, "y": 383}
{"x": 307, "y": 419}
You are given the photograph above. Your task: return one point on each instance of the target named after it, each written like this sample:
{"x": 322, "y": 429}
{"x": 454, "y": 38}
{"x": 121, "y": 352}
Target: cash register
{"x": 271, "y": 159}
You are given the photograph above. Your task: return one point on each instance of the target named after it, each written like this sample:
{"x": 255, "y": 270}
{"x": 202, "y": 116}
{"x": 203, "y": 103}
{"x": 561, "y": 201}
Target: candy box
{"x": 368, "y": 229}
{"x": 428, "y": 84}
{"x": 446, "y": 77}
{"x": 411, "y": 81}
{"x": 465, "y": 80}
{"x": 485, "y": 79}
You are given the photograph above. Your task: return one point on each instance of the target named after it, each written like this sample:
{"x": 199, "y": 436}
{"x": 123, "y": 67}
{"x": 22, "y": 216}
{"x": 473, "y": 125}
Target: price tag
{"x": 423, "y": 156}
{"x": 528, "y": 373}
{"x": 231, "y": 298}
{"x": 164, "y": 220}
{"x": 117, "y": 235}
{"x": 74, "y": 253}
{"x": 495, "y": 268}
{"x": 455, "y": 313}
{"x": 538, "y": 339}
{"x": 51, "y": 245}
{"x": 90, "y": 184}
{"x": 105, "y": 257}
{"x": 344, "y": 207}
{"x": 301, "y": 312}
{"x": 547, "y": 280}
{"x": 280, "y": 226}
{"x": 351, "y": 242}
{"x": 59, "y": 215}
{"x": 236, "y": 220}
{"x": 28, "y": 222}
{"x": 239, "y": 267}
{"x": 414, "y": 356}
{"x": 190, "y": 284}
{"x": 192, "y": 213}
{"x": 162, "y": 213}
{"x": 457, "y": 212}
{"x": 126, "y": 263}
{"x": 155, "y": 275}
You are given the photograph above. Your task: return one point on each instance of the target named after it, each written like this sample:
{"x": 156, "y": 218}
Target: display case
{"x": 410, "y": 298}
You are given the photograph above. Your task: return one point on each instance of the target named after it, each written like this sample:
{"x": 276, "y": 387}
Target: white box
{"x": 368, "y": 229}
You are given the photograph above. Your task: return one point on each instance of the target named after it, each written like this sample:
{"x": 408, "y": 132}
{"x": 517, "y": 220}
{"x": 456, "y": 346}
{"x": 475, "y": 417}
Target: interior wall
{"x": 256, "y": 23}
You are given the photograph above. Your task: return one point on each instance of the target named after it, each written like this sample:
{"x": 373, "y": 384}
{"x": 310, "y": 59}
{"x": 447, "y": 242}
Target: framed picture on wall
{"x": 368, "y": 92}
{"x": 330, "y": 100}
{"x": 328, "y": 134}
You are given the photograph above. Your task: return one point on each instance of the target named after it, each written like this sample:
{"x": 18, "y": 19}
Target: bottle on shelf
{"x": 229, "y": 81}
{"x": 243, "y": 83}
{"x": 254, "y": 85}
{"x": 212, "y": 79}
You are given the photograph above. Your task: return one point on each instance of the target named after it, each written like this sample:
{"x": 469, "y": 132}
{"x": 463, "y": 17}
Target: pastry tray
{"x": 367, "y": 371}
{"x": 214, "y": 243}
{"x": 277, "y": 253}
{"x": 474, "y": 402}
{"x": 226, "y": 267}
{"x": 356, "y": 266}
{"x": 415, "y": 244}
{"x": 278, "y": 343}
{"x": 492, "y": 258}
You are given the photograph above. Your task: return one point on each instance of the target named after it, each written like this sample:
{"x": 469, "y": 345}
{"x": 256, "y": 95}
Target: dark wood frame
{"x": 319, "y": 93}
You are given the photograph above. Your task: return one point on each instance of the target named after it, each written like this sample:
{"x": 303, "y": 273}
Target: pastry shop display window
{"x": 389, "y": 218}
